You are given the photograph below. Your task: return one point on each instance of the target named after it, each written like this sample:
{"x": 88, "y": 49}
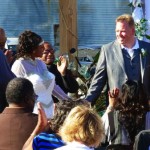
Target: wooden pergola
{"x": 68, "y": 27}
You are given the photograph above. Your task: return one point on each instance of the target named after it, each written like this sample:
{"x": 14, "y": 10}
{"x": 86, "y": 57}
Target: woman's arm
{"x": 112, "y": 99}
{"x": 41, "y": 125}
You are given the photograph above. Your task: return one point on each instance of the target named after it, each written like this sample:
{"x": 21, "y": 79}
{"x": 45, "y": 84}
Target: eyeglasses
{"x": 48, "y": 51}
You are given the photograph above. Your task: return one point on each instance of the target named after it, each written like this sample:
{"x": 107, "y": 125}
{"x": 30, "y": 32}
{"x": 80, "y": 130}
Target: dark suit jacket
{"x": 142, "y": 140}
{"x": 111, "y": 69}
{"x": 16, "y": 125}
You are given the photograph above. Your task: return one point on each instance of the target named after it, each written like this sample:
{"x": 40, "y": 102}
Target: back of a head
{"x": 47, "y": 44}
{"x": 20, "y": 91}
{"x": 127, "y": 18}
{"x": 62, "y": 109}
{"x": 83, "y": 125}
{"x": 133, "y": 92}
{"x": 133, "y": 107}
{"x": 28, "y": 41}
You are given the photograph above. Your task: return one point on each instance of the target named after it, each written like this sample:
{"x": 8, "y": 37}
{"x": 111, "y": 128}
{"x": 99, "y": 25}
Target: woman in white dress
{"x": 29, "y": 66}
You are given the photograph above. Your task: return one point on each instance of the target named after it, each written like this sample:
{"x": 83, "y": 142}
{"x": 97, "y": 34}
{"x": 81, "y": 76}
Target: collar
{"x": 136, "y": 46}
{"x": 30, "y": 60}
{"x": 15, "y": 110}
{"x": 79, "y": 145}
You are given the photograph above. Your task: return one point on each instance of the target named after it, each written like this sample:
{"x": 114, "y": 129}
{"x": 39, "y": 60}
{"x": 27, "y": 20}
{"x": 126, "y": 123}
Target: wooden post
{"x": 68, "y": 26}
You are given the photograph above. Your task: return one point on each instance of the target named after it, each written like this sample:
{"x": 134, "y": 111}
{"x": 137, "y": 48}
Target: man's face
{"x": 48, "y": 54}
{"x": 124, "y": 33}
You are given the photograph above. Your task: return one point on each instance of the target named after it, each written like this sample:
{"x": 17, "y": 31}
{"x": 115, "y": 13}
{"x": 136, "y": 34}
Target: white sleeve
{"x": 106, "y": 126}
{"x": 59, "y": 93}
{"x": 18, "y": 69}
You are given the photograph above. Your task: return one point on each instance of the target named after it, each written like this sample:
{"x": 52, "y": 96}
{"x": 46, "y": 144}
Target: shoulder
{"x": 39, "y": 61}
{"x": 145, "y": 45}
{"x": 111, "y": 44}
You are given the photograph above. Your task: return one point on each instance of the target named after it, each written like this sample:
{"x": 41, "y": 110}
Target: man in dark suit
{"x": 17, "y": 121}
{"x": 124, "y": 59}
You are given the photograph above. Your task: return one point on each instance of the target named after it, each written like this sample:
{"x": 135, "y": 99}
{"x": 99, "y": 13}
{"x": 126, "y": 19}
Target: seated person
{"x": 82, "y": 129}
{"x": 52, "y": 140}
{"x": 17, "y": 121}
{"x": 125, "y": 116}
{"x": 63, "y": 76}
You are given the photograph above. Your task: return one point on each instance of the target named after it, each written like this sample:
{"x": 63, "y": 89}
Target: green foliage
{"x": 137, "y": 4}
{"x": 141, "y": 28}
{"x": 130, "y": 4}
{"x": 147, "y": 36}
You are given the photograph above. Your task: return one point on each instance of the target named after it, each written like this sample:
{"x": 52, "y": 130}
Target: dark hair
{"x": 132, "y": 107}
{"x": 62, "y": 110}
{"x": 28, "y": 41}
{"x": 20, "y": 91}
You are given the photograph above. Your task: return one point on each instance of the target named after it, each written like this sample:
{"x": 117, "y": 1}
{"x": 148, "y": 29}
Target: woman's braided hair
{"x": 28, "y": 41}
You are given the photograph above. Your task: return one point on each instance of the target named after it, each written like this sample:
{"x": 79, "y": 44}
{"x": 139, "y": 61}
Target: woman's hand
{"x": 62, "y": 65}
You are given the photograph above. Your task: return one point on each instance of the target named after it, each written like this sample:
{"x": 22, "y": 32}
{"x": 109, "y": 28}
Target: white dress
{"x": 43, "y": 81}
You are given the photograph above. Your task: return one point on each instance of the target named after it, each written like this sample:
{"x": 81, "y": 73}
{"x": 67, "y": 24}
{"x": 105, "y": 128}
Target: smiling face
{"x": 48, "y": 54}
{"x": 125, "y": 33}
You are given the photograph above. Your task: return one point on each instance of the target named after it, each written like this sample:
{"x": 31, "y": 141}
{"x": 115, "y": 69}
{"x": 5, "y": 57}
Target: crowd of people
{"x": 37, "y": 113}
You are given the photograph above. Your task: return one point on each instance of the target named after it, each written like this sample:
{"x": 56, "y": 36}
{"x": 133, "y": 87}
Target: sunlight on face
{"x": 48, "y": 54}
{"x": 124, "y": 33}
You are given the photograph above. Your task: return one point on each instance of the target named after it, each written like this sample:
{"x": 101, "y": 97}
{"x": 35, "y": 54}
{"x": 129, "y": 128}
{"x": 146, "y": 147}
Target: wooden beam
{"x": 68, "y": 26}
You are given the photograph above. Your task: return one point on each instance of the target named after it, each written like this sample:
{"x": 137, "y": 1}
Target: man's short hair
{"x": 19, "y": 90}
{"x": 127, "y": 18}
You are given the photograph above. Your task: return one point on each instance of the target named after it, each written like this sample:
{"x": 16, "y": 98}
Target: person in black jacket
{"x": 5, "y": 76}
{"x": 63, "y": 77}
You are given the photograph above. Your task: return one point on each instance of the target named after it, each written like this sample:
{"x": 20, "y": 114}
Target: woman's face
{"x": 48, "y": 54}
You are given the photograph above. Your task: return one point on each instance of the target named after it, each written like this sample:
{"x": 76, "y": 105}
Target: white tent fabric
{"x": 138, "y": 12}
